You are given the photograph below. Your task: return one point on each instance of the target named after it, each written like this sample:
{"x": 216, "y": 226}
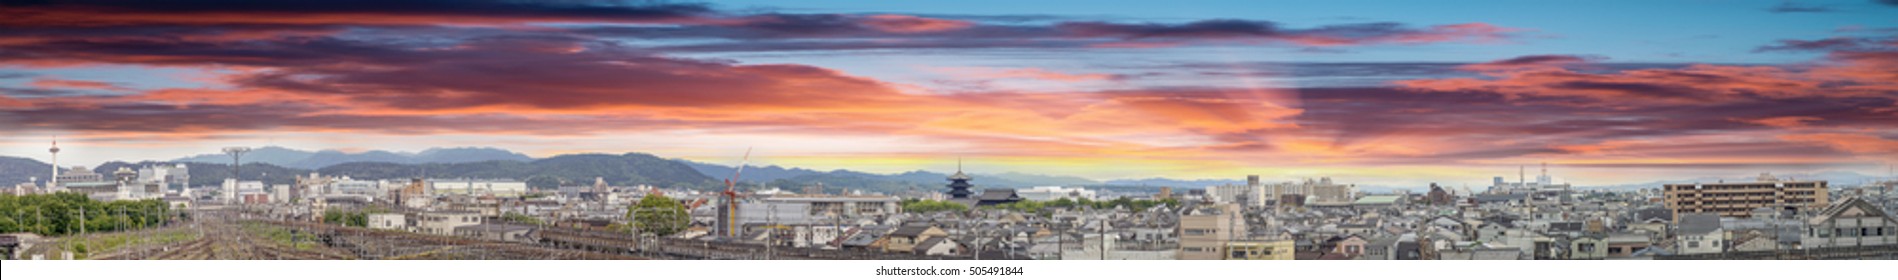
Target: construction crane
{"x": 728, "y": 209}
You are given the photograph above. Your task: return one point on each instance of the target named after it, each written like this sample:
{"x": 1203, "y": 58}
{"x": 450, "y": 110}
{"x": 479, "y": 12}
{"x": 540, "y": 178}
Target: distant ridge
{"x": 293, "y": 158}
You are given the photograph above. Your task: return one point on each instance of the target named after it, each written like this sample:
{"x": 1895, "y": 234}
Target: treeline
{"x": 930, "y": 206}
{"x": 356, "y": 218}
{"x": 67, "y": 213}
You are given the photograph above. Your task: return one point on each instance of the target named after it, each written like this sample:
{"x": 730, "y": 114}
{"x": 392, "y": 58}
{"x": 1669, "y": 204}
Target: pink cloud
{"x": 911, "y": 24}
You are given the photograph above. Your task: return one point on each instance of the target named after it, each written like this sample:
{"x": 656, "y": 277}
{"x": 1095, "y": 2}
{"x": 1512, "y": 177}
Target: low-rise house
{"x": 939, "y": 246}
{"x": 1350, "y": 245}
{"x": 1260, "y": 250}
{"x": 1484, "y": 254}
{"x": 905, "y": 239}
{"x": 1700, "y": 233}
{"x": 1587, "y": 247}
{"x": 1848, "y": 223}
{"x": 1621, "y": 245}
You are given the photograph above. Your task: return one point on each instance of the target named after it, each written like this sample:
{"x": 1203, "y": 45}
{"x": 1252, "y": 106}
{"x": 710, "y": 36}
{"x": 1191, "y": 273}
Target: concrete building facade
{"x": 1740, "y": 199}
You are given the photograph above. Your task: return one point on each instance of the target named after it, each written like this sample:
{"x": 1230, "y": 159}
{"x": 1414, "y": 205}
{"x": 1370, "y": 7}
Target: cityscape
{"x": 167, "y": 210}
{"x": 500, "y": 130}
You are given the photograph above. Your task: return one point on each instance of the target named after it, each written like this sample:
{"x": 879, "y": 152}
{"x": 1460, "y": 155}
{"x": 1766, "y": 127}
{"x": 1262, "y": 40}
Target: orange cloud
{"x": 911, "y": 24}
{"x": 1025, "y": 73}
{"x": 1785, "y": 122}
{"x": 74, "y": 84}
{"x": 1856, "y": 143}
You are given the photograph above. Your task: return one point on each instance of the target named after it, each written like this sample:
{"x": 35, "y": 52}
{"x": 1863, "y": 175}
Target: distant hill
{"x": 624, "y": 170}
{"x": 211, "y": 174}
{"x": 293, "y": 158}
{"x": 753, "y": 173}
{"x": 796, "y": 178}
{"x": 1043, "y": 180}
{"x": 15, "y": 170}
{"x": 1832, "y": 178}
{"x": 1176, "y": 183}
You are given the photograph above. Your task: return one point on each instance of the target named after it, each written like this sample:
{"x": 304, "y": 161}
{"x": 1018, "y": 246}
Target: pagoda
{"x": 959, "y": 184}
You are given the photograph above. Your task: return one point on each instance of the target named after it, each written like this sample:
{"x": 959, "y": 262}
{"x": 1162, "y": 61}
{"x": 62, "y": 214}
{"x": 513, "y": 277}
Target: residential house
{"x": 939, "y": 246}
{"x": 1260, "y": 250}
{"x": 1699, "y": 233}
{"x": 1848, "y": 223}
{"x": 905, "y": 239}
{"x": 1622, "y": 245}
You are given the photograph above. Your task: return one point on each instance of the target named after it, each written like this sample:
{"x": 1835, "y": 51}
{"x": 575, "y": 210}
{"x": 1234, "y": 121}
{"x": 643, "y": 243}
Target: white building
{"x": 445, "y": 222}
{"x": 1700, "y": 233}
{"x": 1251, "y": 195}
{"x": 1050, "y": 193}
{"x": 477, "y": 187}
{"x": 397, "y": 222}
{"x": 815, "y": 209}
{"x": 234, "y": 189}
{"x": 345, "y": 185}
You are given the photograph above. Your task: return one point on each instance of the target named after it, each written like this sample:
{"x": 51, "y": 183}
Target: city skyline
{"x": 1384, "y": 95}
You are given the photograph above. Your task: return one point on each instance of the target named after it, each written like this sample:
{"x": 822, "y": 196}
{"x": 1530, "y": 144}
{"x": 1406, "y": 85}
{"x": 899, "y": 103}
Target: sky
{"x": 1391, "y": 93}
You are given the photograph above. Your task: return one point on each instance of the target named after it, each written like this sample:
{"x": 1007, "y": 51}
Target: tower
{"x": 237, "y": 154}
{"x": 1544, "y": 179}
{"x": 54, "y": 181}
{"x": 959, "y": 183}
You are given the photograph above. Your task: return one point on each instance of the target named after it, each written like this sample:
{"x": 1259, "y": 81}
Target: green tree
{"x": 659, "y": 215}
{"x": 543, "y": 182}
{"x": 930, "y": 206}
{"x": 519, "y": 218}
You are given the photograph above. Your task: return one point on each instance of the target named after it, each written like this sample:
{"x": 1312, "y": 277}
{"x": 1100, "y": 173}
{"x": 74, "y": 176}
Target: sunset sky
{"x": 1396, "y": 93}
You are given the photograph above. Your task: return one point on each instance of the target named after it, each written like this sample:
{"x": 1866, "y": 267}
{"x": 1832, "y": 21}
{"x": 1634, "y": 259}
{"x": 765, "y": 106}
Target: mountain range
{"x": 292, "y": 158}
{"x": 278, "y": 165}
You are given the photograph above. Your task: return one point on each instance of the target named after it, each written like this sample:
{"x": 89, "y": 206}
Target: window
{"x": 1614, "y": 250}
{"x": 1693, "y": 244}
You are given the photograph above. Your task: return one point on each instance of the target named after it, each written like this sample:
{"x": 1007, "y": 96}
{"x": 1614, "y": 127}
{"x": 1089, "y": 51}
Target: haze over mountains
{"x": 278, "y": 165}
{"x": 293, "y": 158}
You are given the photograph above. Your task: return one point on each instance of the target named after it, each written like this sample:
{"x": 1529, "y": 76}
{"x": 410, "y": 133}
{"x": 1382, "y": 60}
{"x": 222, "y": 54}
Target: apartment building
{"x": 1204, "y": 231}
{"x": 1740, "y": 199}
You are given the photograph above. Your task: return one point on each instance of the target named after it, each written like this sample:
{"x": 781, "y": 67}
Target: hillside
{"x": 627, "y": 169}
{"x": 293, "y": 158}
{"x": 15, "y": 170}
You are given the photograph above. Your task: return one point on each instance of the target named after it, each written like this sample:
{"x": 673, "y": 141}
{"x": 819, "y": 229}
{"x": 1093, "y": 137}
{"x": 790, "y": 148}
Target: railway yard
{"x": 231, "y": 236}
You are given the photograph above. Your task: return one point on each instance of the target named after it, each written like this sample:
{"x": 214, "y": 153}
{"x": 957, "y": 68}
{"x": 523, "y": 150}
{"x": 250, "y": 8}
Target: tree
{"x": 543, "y": 182}
{"x": 929, "y": 206}
{"x": 519, "y": 218}
{"x": 659, "y": 215}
